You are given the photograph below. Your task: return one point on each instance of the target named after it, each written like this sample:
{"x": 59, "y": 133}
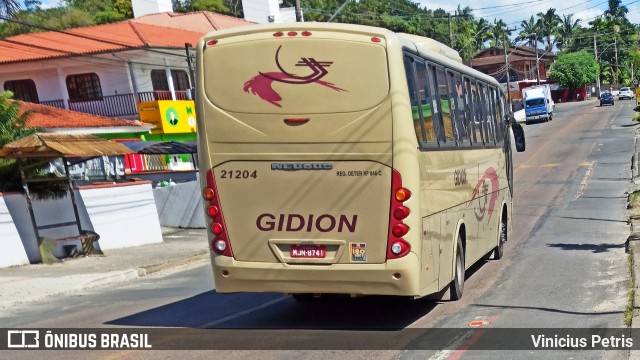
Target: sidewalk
{"x": 21, "y": 284}
{"x": 633, "y": 244}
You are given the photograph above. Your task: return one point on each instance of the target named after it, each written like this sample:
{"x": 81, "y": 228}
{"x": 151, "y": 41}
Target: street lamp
{"x": 598, "y": 57}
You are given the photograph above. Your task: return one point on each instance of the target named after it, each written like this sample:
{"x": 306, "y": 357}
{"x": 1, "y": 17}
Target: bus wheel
{"x": 498, "y": 251}
{"x": 457, "y": 285}
{"x": 303, "y": 297}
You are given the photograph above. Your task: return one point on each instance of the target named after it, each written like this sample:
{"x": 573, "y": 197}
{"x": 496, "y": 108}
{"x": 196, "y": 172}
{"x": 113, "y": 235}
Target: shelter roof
{"x": 59, "y": 145}
{"x": 50, "y": 118}
{"x": 199, "y": 21}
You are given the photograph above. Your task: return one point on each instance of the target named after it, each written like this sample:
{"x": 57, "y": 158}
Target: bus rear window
{"x": 292, "y": 76}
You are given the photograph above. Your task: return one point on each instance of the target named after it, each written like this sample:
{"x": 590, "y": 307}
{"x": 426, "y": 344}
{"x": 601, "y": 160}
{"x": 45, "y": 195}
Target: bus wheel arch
{"x": 498, "y": 252}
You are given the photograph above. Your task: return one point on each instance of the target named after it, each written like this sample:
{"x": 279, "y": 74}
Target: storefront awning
{"x": 161, "y": 147}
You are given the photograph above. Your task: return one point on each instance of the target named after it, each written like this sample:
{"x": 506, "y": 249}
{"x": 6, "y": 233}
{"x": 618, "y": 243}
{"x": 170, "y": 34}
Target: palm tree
{"x": 483, "y": 31}
{"x": 499, "y": 33}
{"x": 529, "y": 32}
{"x": 616, "y": 12}
{"x": 9, "y": 8}
{"x": 566, "y": 30}
{"x": 548, "y": 22}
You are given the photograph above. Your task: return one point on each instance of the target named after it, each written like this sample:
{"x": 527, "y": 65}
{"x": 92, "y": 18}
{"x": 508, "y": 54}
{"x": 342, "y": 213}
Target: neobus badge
{"x": 301, "y": 166}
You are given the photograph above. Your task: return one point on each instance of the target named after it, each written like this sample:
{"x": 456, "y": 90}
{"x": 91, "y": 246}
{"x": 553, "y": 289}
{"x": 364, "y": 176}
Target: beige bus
{"x": 344, "y": 159}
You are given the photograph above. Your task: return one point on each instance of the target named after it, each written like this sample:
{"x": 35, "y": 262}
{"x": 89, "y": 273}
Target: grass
{"x": 631, "y": 294}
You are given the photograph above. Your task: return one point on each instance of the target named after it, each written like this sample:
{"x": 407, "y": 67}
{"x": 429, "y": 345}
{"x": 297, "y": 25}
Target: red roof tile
{"x": 92, "y": 39}
{"x": 52, "y": 118}
{"x": 199, "y": 21}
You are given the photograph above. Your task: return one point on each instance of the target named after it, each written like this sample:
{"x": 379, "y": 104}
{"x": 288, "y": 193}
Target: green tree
{"x": 9, "y": 7}
{"x": 209, "y": 5}
{"x": 566, "y": 30}
{"x": 529, "y": 32}
{"x": 123, "y": 7}
{"x": 574, "y": 70}
{"x": 548, "y": 24}
{"x": 13, "y": 126}
{"x": 499, "y": 34}
{"x": 31, "y": 5}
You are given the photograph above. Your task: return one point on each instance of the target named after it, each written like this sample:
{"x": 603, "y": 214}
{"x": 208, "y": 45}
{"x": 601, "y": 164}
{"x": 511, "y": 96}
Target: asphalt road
{"x": 565, "y": 267}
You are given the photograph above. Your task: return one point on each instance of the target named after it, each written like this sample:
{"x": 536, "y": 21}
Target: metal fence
{"x": 114, "y": 105}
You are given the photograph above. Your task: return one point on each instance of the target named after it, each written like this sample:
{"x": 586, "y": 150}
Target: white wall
{"x": 260, "y": 10}
{"x": 13, "y": 252}
{"x": 180, "y": 205}
{"x": 145, "y": 7}
{"x": 112, "y": 70}
{"x": 123, "y": 216}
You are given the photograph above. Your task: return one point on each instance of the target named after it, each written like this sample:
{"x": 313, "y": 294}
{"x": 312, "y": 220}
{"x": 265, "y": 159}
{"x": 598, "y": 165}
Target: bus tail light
{"x": 220, "y": 243}
{"x": 397, "y": 247}
{"x": 401, "y": 212}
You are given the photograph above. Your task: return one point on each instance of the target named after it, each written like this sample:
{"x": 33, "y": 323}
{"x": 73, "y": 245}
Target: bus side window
{"x": 418, "y": 123}
{"x": 484, "y": 113}
{"x": 468, "y": 111}
{"x": 491, "y": 114}
{"x": 426, "y": 101}
{"x": 457, "y": 99}
{"x": 444, "y": 127}
{"x": 499, "y": 115}
{"x": 477, "y": 113}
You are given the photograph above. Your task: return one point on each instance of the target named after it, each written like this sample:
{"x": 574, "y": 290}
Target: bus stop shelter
{"x": 39, "y": 149}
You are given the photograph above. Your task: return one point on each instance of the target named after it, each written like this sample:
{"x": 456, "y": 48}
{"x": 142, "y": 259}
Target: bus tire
{"x": 457, "y": 285}
{"x": 303, "y": 297}
{"x": 498, "y": 251}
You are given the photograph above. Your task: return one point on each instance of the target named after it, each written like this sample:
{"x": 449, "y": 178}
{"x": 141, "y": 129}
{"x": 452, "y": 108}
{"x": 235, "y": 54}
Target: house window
{"x": 160, "y": 83}
{"x": 24, "y": 90}
{"x": 84, "y": 87}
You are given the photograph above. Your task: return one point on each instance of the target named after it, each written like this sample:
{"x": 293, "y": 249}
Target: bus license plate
{"x": 308, "y": 251}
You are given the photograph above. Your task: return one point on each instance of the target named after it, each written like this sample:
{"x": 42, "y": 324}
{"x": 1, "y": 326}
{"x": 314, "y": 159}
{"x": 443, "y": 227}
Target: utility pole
{"x": 506, "y": 61}
{"x": 537, "y": 62}
{"x": 615, "y": 46}
{"x": 298, "y": 11}
{"x": 595, "y": 53}
{"x": 450, "y": 33}
{"x": 187, "y": 48}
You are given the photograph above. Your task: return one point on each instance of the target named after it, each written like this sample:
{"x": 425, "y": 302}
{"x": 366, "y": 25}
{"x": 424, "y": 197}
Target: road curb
{"x": 632, "y": 245}
{"x": 150, "y": 269}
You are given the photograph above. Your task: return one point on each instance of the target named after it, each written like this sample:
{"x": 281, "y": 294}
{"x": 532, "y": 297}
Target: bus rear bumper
{"x": 396, "y": 277}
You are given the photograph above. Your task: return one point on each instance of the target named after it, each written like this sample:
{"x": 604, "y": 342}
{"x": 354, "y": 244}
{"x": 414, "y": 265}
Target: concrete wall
{"x": 123, "y": 215}
{"x": 180, "y": 205}
{"x": 11, "y": 250}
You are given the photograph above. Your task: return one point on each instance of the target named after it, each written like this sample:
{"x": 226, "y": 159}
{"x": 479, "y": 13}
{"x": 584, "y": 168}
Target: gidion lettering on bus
{"x": 296, "y": 222}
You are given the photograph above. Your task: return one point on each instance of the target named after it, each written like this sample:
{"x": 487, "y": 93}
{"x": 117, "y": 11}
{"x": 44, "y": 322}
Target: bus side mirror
{"x": 518, "y": 135}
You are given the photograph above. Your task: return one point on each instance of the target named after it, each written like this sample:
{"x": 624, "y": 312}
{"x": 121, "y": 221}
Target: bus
{"x": 346, "y": 159}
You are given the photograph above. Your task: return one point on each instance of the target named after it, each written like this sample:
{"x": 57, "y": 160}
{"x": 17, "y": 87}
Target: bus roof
{"x": 427, "y": 47}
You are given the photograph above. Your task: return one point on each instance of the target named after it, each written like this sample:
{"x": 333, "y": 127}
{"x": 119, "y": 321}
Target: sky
{"x": 513, "y": 12}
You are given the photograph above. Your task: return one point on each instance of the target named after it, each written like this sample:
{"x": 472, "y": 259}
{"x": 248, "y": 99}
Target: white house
{"x": 107, "y": 69}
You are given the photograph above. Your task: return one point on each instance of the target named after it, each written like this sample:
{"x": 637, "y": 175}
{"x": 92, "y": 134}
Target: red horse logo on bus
{"x": 482, "y": 191}
{"x": 261, "y": 84}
